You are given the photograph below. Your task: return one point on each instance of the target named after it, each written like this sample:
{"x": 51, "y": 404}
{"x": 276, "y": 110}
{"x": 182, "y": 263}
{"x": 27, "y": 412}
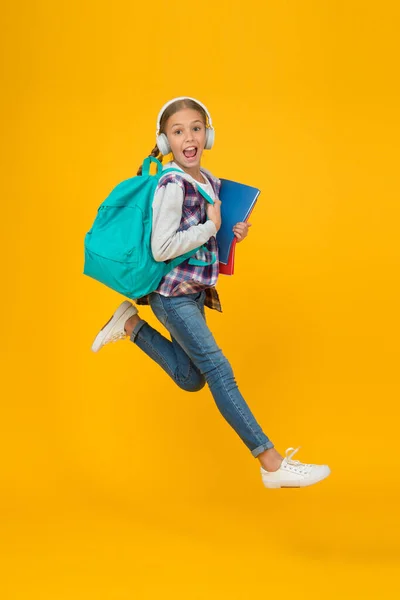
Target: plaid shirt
{"x": 186, "y": 278}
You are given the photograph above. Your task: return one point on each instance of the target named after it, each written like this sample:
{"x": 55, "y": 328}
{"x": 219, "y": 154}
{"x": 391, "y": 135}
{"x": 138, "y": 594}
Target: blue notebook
{"x": 237, "y": 202}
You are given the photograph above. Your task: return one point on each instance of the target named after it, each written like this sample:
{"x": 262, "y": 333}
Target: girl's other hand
{"x": 214, "y": 213}
{"x": 241, "y": 230}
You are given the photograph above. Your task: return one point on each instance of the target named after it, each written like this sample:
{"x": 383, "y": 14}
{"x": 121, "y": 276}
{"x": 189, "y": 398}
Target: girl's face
{"x": 186, "y": 134}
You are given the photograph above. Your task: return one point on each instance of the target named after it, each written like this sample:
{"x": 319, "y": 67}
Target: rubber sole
{"x": 301, "y": 484}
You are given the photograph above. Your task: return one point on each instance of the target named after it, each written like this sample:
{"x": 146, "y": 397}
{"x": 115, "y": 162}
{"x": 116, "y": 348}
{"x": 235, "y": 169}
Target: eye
{"x": 177, "y": 131}
{"x": 197, "y": 128}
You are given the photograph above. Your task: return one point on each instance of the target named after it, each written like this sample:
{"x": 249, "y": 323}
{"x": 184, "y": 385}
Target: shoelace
{"x": 296, "y": 464}
{"x": 117, "y": 336}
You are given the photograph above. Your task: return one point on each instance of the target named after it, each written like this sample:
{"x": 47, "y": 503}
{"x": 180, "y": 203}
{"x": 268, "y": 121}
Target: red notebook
{"x": 229, "y": 268}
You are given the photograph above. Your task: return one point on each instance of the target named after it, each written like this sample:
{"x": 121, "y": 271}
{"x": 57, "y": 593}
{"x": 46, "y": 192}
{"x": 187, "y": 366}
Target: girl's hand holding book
{"x": 241, "y": 230}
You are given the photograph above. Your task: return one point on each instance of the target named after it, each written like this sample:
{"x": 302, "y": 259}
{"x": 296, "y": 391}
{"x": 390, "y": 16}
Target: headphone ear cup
{"x": 163, "y": 144}
{"x": 210, "y": 138}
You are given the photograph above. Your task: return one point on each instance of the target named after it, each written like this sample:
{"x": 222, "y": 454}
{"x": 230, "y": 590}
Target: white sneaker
{"x": 293, "y": 473}
{"x": 114, "y": 330}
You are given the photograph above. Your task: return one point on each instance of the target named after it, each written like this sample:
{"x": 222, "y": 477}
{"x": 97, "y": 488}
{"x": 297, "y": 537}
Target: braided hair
{"x": 156, "y": 153}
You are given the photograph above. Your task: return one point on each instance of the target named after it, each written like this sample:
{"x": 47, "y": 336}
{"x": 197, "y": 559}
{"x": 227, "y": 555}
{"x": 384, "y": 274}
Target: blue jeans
{"x": 192, "y": 358}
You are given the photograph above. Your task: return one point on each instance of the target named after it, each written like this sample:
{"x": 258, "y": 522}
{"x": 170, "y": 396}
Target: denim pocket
{"x": 195, "y": 296}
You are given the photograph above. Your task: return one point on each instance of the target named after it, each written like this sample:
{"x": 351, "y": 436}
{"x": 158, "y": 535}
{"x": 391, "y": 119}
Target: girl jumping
{"x": 184, "y": 221}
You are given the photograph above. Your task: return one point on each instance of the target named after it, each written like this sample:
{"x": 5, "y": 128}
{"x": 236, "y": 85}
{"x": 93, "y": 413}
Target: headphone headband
{"x": 160, "y": 114}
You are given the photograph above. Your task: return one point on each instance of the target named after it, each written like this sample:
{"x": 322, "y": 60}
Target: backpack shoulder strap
{"x": 191, "y": 181}
{"x": 189, "y": 255}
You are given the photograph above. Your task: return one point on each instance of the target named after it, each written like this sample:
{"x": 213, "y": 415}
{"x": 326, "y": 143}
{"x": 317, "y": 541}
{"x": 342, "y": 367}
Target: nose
{"x": 189, "y": 135}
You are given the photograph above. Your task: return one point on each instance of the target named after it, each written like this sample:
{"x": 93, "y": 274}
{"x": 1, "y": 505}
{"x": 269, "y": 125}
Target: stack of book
{"x": 237, "y": 203}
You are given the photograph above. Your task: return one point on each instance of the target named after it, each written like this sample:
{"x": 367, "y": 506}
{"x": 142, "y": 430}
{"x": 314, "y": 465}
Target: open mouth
{"x": 190, "y": 152}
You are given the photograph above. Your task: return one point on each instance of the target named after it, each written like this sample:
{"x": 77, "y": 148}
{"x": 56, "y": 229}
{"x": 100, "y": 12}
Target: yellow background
{"x": 114, "y": 483}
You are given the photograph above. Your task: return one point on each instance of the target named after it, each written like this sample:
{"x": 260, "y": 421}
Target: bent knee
{"x": 193, "y": 385}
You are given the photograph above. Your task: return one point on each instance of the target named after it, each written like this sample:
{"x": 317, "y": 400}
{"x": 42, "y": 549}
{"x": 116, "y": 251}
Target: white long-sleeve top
{"x": 166, "y": 241}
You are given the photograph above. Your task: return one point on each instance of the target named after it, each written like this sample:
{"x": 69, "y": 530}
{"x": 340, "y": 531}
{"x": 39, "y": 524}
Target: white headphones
{"x": 162, "y": 140}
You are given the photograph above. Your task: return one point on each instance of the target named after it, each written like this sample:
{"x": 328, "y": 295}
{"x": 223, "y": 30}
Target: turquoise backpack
{"x": 118, "y": 246}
